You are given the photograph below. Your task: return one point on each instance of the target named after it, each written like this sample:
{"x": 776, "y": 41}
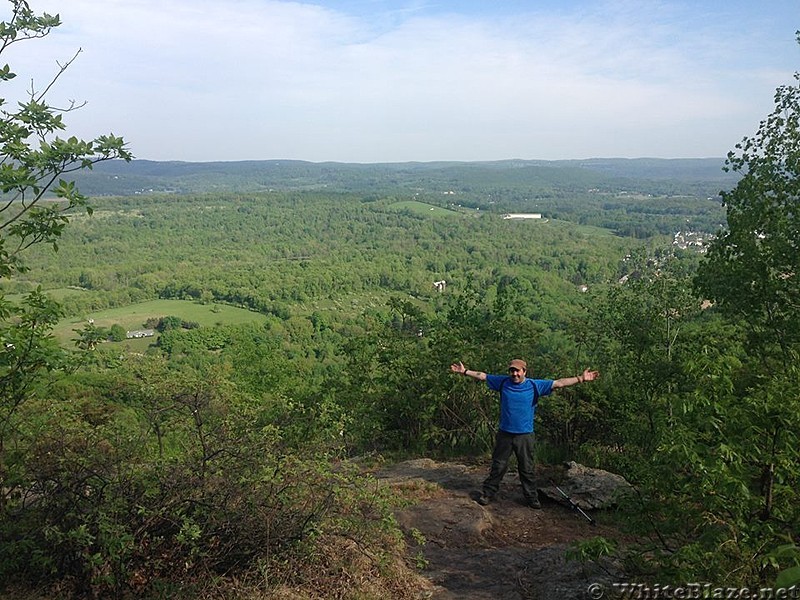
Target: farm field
{"x": 134, "y": 316}
{"x": 423, "y": 208}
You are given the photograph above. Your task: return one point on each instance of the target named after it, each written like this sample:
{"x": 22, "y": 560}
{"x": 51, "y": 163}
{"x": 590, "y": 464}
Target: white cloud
{"x": 203, "y": 80}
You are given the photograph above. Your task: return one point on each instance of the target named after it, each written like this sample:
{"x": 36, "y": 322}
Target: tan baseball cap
{"x": 518, "y": 363}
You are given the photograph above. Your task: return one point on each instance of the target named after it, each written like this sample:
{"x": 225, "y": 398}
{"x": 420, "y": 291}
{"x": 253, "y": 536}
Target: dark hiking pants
{"x": 521, "y": 444}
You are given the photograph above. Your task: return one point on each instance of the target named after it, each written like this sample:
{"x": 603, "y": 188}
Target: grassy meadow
{"x": 422, "y": 208}
{"x": 134, "y": 317}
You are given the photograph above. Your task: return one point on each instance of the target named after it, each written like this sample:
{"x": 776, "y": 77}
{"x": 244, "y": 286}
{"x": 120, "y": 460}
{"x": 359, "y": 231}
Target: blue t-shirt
{"x": 518, "y": 401}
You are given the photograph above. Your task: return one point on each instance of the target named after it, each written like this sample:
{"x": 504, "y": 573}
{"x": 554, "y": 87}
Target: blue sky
{"x": 393, "y": 80}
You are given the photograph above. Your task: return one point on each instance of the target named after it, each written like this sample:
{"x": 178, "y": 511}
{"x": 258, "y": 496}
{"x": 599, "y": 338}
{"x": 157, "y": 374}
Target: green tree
{"x": 723, "y": 479}
{"x": 752, "y": 268}
{"x": 35, "y": 204}
{"x": 34, "y": 157}
{"x": 90, "y": 336}
{"x": 169, "y": 322}
{"x": 751, "y": 272}
{"x": 638, "y": 329}
{"x": 117, "y": 333}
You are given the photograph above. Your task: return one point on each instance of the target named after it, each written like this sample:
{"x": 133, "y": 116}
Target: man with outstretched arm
{"x": 519, "y": 397}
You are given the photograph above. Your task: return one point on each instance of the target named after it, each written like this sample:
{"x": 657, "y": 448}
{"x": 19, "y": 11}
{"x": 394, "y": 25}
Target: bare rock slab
{"x": 588, "y": 488}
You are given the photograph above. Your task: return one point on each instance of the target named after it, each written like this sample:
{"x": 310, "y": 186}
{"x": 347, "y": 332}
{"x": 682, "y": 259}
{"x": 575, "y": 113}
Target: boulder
{"x": 587, "y": 487}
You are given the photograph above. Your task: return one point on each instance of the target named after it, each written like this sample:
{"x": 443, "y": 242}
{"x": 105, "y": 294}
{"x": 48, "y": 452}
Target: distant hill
{"x": 702, "y": 176}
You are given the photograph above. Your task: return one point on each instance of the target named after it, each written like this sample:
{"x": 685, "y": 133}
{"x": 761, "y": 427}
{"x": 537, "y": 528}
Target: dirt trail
{"x": 504, "y": 551}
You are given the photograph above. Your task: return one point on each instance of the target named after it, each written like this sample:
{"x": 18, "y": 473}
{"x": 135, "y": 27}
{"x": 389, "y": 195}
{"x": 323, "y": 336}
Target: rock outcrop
{"x": 587, "y": 487}
{"x": 506, "y": 549}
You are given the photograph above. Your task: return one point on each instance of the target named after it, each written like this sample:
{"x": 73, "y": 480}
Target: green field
{"x": 134, "y": 317}
{"x": 422, "y": 208}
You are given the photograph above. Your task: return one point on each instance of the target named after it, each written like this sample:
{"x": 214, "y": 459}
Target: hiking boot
{"x": 484, "y": 499}
{"x": 534, "y": 502}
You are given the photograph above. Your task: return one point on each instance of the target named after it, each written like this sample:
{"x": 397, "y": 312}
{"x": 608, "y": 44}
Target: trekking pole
{"x": 572, "y": 504}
